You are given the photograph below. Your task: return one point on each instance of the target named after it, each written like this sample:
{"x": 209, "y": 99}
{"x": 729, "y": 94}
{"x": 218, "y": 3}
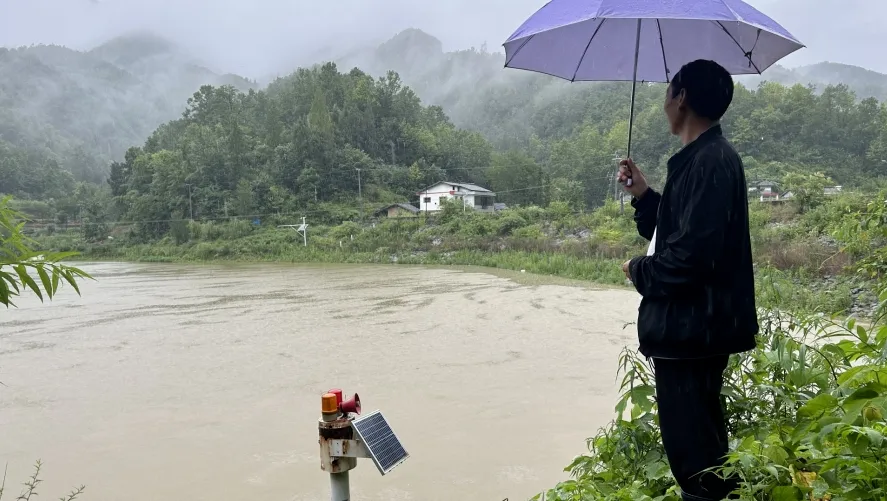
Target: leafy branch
{"x": 23, "y": 269}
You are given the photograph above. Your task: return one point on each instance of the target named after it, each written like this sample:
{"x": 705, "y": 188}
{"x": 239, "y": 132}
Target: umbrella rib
{"x": 521, "y": 46}
{"x": 662, "y": 45}
{"x": 746, "y": 54}
{"x": 581, "y": 59}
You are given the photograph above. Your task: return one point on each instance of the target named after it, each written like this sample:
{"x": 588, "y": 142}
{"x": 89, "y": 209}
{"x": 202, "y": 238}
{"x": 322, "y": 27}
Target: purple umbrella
{"x": 645, "y": 40}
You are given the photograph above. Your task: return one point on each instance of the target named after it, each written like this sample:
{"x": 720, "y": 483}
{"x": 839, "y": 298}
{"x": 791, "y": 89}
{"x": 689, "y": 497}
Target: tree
{"x": 808, "y": 190}
{"x": 517, "y": 179}
{"x": 24, "y": 269}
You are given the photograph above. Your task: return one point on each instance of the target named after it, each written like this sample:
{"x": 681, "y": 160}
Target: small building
{"x": 763, "y": 188}
{"x": 471, "y": 195}
{"x": 397, "y": 211}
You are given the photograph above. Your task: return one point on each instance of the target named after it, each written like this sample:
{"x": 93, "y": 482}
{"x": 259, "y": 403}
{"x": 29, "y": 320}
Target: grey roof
{"x": 467, "y": 186}
{"x": 404, "y": 206}
{"x": 499, "y": 206}
{"x": 472, "y": 187}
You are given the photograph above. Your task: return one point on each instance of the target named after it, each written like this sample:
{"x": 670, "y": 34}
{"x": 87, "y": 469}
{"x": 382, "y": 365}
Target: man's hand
{"x": 626, "y": 270}
{"x": 627, "y": 169}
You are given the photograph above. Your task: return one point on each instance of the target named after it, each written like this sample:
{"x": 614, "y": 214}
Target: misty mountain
{"x": 84, "y": 109}
{"x": 865, "y": 83}
{"x": 461, "y": 81}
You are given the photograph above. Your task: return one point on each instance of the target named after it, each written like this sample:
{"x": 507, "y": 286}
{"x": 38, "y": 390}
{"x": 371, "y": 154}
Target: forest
{"x": 303, "y": 139}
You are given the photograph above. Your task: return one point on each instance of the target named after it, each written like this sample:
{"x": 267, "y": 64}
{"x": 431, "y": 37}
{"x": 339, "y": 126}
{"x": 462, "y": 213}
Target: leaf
{"x": 867, "y": 392}
{"x": 55, "y": 279}
{"x": 47, "y": 284}
{"x": 875, "y": 437}
{"x": 786, "y": 493}
{"x": 818, "y": 406}
{"x": 28, "y": 281}
{"x": 850, "y": 373}
{"x": 657, "y": 470}
{"x": 862, "y": 333}
{"x": 69, "y": 277}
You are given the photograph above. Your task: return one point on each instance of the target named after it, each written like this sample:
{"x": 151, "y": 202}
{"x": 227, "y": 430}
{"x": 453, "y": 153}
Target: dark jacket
{"x": 698, "y": 287}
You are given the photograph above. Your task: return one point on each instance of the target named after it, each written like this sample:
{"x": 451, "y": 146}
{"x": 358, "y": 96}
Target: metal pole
{"x": 190, "y": 205}
{"x": 340, "y": 487}
{"x": 634, "y": 83}
{"x": 360, "y": 194}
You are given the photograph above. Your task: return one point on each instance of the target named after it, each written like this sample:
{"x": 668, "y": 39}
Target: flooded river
{"x": 168, "y": 382}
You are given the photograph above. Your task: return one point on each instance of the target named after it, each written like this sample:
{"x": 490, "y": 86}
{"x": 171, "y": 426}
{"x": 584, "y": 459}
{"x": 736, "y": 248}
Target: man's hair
{"x": 709, "y": 88}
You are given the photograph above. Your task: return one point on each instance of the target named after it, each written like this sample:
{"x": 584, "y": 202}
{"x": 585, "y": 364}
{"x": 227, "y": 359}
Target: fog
{"x": 256, "y": 38}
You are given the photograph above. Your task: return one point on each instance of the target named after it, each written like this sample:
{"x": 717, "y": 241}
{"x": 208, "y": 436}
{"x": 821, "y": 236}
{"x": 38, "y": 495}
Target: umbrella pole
{"x": 634, "y": 85}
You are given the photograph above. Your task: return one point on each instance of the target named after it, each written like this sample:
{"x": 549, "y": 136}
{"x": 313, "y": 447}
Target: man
{"x": 697, "y": 284}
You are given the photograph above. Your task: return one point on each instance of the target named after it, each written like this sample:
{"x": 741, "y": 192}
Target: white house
{"x": 471, "y": 195}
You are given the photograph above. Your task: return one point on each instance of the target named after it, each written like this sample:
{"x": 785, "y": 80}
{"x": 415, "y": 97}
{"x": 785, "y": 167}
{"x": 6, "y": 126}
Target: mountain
{"x": 458, "y": 81}
{"x": 85, "y": 109}
{"x": 865, "y": 83}
{"x": 80, "y": 110}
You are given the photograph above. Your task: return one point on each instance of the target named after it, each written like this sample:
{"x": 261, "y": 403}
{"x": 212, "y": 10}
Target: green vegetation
{"x": 805, "y": 409}
{"x": 23, "y": 269}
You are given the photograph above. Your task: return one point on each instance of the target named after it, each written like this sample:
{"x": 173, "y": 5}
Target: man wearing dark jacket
{"x": 697, "y": 284}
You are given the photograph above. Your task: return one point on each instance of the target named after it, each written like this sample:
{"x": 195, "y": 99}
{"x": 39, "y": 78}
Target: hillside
{"x": 82, "y": 110}
{"x": 508, "y": 105}
{"x": 865, "y": 83}
{"x": 66, "y": 114}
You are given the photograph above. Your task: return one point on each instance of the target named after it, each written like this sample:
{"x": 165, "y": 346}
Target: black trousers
{"x": 691, "y": 419}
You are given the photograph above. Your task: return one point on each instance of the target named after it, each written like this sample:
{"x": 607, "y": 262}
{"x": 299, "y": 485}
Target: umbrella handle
{"x": 634, "y": 84}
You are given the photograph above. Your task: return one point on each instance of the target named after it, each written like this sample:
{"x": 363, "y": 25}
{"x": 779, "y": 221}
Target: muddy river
{"x": 169, "y": 382}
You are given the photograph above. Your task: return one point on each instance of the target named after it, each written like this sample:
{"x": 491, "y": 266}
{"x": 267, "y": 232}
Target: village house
{"x": 397, "y": 211}
{"x": 765, "y": 191}
{"x": 470, "y": 195}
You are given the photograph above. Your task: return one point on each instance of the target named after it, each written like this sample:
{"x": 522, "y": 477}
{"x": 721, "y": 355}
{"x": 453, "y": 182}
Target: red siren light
{"x": 352, "y": 405}
{"x": 338, "y": 393}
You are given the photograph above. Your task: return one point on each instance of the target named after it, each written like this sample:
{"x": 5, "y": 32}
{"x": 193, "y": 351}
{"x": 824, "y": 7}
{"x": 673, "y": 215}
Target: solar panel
{"x": 380, "y": 440}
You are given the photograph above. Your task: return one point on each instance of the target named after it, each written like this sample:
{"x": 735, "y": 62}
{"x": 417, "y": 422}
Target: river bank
{"x": 829, "y": 294}
{"x": 798, "y": 263}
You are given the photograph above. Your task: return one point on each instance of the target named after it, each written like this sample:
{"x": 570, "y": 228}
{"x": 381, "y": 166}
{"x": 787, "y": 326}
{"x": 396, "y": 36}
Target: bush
{"x": 529, "y": 232}
{"x": 345, "y": 230}
{"x": 180, "y": 232}
{"x": 805, "y": 411}
{"x": 510, "y": 221}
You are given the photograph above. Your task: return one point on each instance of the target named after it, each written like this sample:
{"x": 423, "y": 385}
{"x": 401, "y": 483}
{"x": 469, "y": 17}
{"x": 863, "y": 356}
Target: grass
{"x": 799, "y": 262}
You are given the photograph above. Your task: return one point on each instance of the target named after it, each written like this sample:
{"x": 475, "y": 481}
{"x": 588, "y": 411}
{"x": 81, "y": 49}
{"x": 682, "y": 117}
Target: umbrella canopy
{"x": 645, "y": 40}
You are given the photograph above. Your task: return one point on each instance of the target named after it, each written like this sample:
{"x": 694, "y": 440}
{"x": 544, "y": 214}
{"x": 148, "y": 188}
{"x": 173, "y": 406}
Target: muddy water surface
{"x": 168, "y": 382}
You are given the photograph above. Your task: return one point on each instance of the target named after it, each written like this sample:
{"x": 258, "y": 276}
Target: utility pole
{"x": 190, "y": 205}
{"x": 360, "y": 194}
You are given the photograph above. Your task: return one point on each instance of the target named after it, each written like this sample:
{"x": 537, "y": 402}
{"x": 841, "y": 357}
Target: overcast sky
{"x": 258, "y": 37}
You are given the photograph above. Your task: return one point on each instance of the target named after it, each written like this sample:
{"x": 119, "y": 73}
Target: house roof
{"x": 404, "y": 206}
{"x": 467, "y": 186}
